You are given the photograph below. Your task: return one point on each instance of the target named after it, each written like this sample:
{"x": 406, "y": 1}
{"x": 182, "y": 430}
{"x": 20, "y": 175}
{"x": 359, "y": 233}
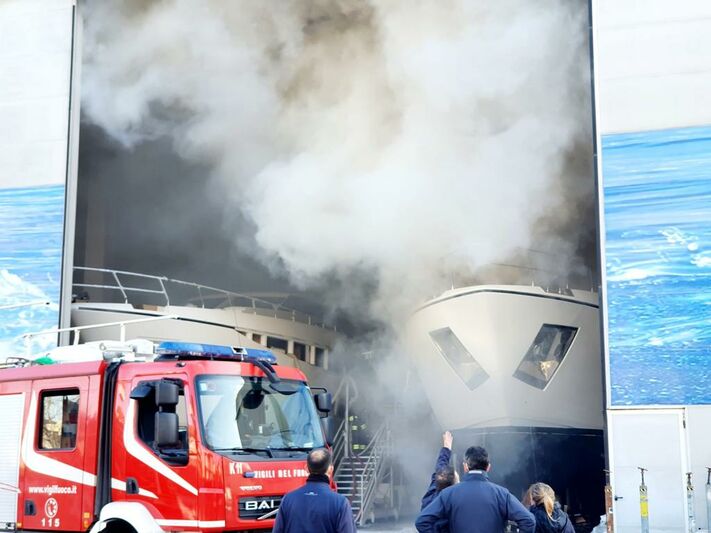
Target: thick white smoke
{"x": 406, "y": 140}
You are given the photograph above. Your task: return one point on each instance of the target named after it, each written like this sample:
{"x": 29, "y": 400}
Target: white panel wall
{"x": 12, "y": 408}
{"x": 35, "y": 60}
{"x": 698, "y": 425}
{"x": 653, "y": 439}
{"x": 652, "y": 64}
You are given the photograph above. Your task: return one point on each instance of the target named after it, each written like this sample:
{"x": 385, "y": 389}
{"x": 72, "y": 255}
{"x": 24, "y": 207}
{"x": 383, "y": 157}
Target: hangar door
{"x": 654, "y": 439}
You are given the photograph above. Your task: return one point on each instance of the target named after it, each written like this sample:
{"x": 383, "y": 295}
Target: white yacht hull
{"x": 497, "y": 326}
{"x": 519, "y": 371}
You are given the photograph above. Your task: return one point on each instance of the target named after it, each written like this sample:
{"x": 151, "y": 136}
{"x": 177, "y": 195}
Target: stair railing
{"x": 339, "y": 446}
{"x": 346, "y": 393}
{"x": 377, "y": 454}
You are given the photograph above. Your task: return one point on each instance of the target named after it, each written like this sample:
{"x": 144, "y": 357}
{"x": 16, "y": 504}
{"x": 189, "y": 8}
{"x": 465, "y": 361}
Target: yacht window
{"x": 277, "y": 343}
{"x": 545, "y": 355}
{"x": 320, "y": 355}
{"x": 458, "y": 357}
{"x": 300, "y": 351}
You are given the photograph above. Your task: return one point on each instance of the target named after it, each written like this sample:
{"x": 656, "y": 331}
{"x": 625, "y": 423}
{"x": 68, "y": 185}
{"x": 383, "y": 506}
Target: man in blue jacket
{"x": 476, "y": 505}
{"x": 444, "y": 475}
{"x": 315, "y": 508}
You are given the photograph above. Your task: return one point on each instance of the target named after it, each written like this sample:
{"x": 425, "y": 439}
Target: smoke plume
{"x": 378, "y": 147}
{"x": 378, "y": 151}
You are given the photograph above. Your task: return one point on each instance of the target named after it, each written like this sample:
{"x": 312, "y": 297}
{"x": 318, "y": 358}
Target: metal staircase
{"x": 365, "y": 477}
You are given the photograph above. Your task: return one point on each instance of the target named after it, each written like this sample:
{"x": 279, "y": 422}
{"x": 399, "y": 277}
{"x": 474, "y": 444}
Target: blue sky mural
{"x": 657, "y": 194}
{"x": 31, "y": 233}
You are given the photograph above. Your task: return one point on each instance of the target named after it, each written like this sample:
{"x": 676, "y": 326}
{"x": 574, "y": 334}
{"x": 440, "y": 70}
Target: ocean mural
{"x": 31, "y": 236}
{"x": 657, "y": 197}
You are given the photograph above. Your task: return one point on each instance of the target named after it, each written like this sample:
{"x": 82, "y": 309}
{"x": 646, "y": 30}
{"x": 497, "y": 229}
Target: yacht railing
{"x": 128, "y": 285}
{"x": 525, "y": 266}
{"x": 76, "y": 330}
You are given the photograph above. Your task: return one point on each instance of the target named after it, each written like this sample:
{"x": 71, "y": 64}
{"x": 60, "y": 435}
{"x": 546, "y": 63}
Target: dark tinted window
{"x": 60, "y": 413}
{"x": 300, "y": 351}
{"x": 458, "y": 357}
{"x": 545, "y": 355}
{"x": 320, "y": 355}
{"x": 277, "y": 343}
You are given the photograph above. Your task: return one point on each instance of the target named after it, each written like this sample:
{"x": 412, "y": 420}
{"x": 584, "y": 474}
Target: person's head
{"x": 319, "y": 461}
{"x": 476, "y": 458}
{"x": 542, "y": 494}
{"x": 445, "y": 477}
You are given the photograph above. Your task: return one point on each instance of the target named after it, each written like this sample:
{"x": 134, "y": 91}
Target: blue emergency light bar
{"x": 262, "y": 355}
{"x": 214, "y": 351}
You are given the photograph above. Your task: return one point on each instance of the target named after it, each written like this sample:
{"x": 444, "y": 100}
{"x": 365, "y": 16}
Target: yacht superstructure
{"x": 114, "y": 303}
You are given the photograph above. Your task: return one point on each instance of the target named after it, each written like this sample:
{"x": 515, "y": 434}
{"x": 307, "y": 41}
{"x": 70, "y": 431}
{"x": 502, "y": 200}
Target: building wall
{"x": 35, "y": 67}
{"x": 652, "y": 75}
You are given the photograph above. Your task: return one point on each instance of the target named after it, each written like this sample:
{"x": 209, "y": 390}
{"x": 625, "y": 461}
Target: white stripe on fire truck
{"x": 191, "y": 523}
{"x": 117, "y": 484}
{"x": 134, "y": 448}
{"x": 45, "y": 465}
{"x": 51, "y": 467}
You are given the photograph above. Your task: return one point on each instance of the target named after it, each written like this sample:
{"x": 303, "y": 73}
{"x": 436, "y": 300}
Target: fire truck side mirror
{"x": 324, "y": 402}
{"x": 329, "y": 430}
{"x": 166, "y": 430}
{"x": 166, "y": 393}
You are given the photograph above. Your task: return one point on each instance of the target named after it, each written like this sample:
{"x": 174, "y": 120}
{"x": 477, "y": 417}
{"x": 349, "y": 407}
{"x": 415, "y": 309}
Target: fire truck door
{"x": 53, "y": 452}
{"x": 159, "y": 471}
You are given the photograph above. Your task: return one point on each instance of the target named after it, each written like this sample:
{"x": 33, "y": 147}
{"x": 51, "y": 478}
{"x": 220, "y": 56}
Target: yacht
{"x": 518, "y": 369}
{"x": 117, "y": 305}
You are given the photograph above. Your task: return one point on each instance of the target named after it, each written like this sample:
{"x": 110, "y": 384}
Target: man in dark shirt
{"x": 476, "y": 505}
{"x": 315, "y": 508}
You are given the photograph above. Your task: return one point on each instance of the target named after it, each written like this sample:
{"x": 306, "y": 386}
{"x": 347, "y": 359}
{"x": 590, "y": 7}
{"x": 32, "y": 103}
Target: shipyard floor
{"x": 401, "y": 527}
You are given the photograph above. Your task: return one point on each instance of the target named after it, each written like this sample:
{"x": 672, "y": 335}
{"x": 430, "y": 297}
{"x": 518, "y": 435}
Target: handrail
{"x": 339, "y": 444}
{"x": 25, "y": 304}
{"x": 372, "y": 470}
{"x": 346, "y": 380}
{"x": 78, "y": 329}
{"x": 371, "y": 461}
{"x": 225, "y": 295}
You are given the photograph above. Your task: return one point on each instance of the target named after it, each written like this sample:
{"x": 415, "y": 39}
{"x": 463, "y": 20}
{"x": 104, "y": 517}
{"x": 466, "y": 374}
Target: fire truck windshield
{"x": 248, "y": 415}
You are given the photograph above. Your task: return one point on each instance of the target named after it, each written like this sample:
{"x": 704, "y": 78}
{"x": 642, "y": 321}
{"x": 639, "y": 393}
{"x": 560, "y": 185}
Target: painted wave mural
{"x": 657, "y": 194}
{"x": 31, "y": 236}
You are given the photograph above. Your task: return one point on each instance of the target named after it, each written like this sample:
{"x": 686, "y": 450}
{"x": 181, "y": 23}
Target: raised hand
{"x": 447, "y": 440}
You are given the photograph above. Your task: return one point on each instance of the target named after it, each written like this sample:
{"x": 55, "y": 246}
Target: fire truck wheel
{"x": 118, "y": 526}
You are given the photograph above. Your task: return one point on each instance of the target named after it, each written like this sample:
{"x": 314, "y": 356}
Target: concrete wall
{"x": 652, "y": 64}
{"x": 35, "y": 66}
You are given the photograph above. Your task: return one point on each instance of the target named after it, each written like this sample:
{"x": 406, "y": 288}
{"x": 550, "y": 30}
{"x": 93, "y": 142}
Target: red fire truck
{"x": 179, "y": 437}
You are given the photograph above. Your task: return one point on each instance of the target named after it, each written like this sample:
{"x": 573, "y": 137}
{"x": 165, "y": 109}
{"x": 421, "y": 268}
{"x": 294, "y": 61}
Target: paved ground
{"x": 394, "y": 529}
{"x": 403, "y": 527}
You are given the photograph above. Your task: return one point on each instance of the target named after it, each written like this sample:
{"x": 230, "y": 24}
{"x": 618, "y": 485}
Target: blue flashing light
{"x": 196, "y": 349}
{"x": 262, "y": 355}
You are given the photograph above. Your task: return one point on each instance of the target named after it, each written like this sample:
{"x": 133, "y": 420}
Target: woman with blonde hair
{"x": 550, "y": 518}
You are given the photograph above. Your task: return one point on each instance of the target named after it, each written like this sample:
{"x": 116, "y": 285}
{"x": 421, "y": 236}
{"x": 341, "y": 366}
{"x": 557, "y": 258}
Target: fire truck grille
{"x": 253, "y": 508}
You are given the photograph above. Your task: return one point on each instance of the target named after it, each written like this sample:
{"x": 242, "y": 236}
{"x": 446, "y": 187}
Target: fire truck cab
{"x": 151, "y": 438}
